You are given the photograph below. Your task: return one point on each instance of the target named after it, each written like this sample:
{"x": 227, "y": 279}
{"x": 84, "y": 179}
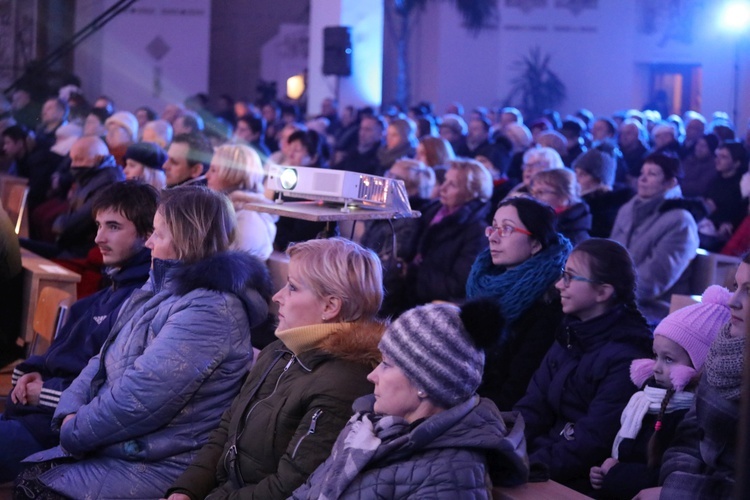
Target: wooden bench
{"x": 38, "y": 273}
{"x": 13, "y": 193}
{"x": 547, "y": 490}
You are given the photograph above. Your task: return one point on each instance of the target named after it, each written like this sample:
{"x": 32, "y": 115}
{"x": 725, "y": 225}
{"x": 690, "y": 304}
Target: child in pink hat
{"x": 649, "y": 421}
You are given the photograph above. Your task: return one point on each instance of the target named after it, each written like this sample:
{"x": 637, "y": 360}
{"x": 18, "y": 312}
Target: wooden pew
{"x": 547, "y": 490}
{"x": 39, "y": 272}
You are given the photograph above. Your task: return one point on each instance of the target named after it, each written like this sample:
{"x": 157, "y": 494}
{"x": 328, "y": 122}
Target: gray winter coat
{"x": 662, "y": 238}
{"x": 175, "y": 359}
{"x": 456, "y": 454}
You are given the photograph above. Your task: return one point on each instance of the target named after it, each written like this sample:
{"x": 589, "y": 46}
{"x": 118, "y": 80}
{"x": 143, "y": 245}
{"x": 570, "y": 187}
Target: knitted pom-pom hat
{"x": 440, "y": 347}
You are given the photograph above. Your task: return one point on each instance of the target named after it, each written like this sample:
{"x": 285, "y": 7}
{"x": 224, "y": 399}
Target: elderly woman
{"x": 143, "y": 162}
{"x": 400, "y": 142}
{"x": 177, "y": 355}
{"x": 419, "y": 180}
{"x": 536, "y": 160}
{"x": 559, "y": 189}
{"x": 299, "y": 393}
{"x": 236, "y": 170}
{"x": 518, "y": 272}
{"x": 452, "y": 234}
{"x": 660, "y": 234}
{"x": 425, "y": 433}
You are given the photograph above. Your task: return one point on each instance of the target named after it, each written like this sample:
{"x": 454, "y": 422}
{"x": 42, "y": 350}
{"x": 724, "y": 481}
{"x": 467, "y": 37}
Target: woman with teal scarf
{"x": 519, "y": 270}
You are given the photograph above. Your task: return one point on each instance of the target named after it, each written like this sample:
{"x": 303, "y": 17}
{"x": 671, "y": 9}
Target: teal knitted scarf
{"x": 517, "y": 289}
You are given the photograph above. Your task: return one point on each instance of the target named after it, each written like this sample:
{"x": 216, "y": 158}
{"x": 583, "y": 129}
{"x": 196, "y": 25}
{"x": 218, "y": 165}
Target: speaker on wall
{"x": 337, "y": 51}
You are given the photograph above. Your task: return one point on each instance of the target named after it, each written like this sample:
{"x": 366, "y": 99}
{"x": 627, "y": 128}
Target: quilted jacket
{"x": 174, "y": 360}
{"x": 456, "y": 454}
{"x": 285, "y": 428}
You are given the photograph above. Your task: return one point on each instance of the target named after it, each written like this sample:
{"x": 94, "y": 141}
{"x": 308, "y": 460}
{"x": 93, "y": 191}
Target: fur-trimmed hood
{"x": 357, "y": 341}
{"x": 233, "y": 272}
{"x": 695, "y": 207}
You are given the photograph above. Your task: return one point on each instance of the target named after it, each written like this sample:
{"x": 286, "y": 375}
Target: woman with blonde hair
{"x": 451, "y": 234}
{"x": 435, "y": 152}
{"x": 299, "y": 393}
{"x": 143, "y": 162}
{"x": 177, "y": 355}
{"x": 559, "y": 189}
{"x": 237, "y": 171}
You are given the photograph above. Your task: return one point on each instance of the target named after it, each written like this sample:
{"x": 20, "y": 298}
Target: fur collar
{"x": 695, "y": 206}
{"x": 357, "y": 342}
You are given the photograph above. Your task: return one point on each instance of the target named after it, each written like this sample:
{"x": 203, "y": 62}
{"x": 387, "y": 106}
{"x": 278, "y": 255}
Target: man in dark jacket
{"x": 124, "y": 214}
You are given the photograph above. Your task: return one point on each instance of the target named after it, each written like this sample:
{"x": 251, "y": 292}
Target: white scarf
{"x": 646, "y": 401}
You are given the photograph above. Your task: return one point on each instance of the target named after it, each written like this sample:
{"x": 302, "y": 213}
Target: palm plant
{"x": 537, "y": 87}
{"x": 476, "y": 15}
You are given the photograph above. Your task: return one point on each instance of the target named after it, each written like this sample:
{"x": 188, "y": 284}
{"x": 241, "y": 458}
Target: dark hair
{"x": 611, "y": 127}
{"x": 657, "y": 444}
{"x": 711, "y": 141}
{"x": 484, "y": 121}
{"x": 61, "y": 105}
{"x": 538, "y": 218}
{"x": 737, "y": 150}
{"x": 610, "y": 262}
{"x": 135, "y": 200}
{"x": 150, "y": 113}
{"x": 425, "y": 126}
{"x": 200, "y": 150}
{"x": 256, "y": 123}
{"x": 668, "y": 162}
{"x": 16, "y": 132}
{"x": 101, "y": 114}
{"x": 377, "y": 119}
{"x": 190, "y": 121}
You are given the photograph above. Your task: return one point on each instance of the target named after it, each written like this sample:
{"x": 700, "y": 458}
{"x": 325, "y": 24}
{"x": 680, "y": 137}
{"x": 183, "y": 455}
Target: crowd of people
{"x": 517, "y": 330}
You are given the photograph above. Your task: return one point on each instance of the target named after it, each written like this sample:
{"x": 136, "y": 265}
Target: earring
{"x": 421, "y": 394}
{"x": 323, "y": 318}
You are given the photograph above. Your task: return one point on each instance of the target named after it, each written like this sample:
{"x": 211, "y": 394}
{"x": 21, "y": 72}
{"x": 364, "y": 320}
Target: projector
{"x": 340, "y": 186}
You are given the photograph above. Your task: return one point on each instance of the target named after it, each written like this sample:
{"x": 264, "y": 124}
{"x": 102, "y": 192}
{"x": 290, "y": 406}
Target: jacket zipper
{"x": 310, "y": 431}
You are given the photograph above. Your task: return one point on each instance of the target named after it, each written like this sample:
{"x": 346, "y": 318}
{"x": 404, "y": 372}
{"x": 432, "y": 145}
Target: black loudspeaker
{"x": 337, "y": 51}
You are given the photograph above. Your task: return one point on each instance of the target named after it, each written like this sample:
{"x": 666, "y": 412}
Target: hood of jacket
{"x": 695, "y": 206}
{"x": 233, "y": 272}
{"x": 133, "y": 270}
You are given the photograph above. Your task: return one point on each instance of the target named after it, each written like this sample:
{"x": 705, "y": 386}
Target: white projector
{"x": 349, "y": 188}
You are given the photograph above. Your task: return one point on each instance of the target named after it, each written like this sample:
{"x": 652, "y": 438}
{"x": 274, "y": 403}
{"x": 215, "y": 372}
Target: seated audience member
{"x": 695, "y": 128}
{"x": 26, "y": 111}
{"x": 555, "y": 140}
{"x": 451, "y": 234}
{"x": 701, "y": 461}
{"x": 144, "y": 114}
{"x": 573, "y": 129}
{"x": 236, "y": 171}
{"x": 435, "y": 153}
{"x": 94, "y": 123}
{"x": 726, "y": 208}
{"x": 536, "y": 160}
{"x": 559, "y": 189}
{"x": 144, "y": 162}
{"x": 660, "y": 234}
{"x": 26, "y": 161}
{"x": 159, "y": 132}
{"x": 453, "y": 129}
{"x": 632, "y": 142}
{"x": 133, "y": 419}
{"x": 188, "y": 158}
{"x": 425, "y": 433}
{"x": 11, "y": 293}
{"x": 603, "y": 130}
{"x": 664, "y": 138}
{"x": 518, "y": 272}
{"x": 299, "y": 393}
{"x": 479, "y": 142}
{"x": 189, "y": 122}
{"x": 65, "y": 136}
{"x": 124, "y": 214}
{"x": 122, "y": 131}
{"x": 400, "y": 142}
{"x": 573, "y": 404}
{"x": 171, "y": 112}
{"x": 93, "y": 169}
{"x": 520, "y": 138}
{"x": 281, "y": 157}
{"x": 419, "y": 180}
{"x": 251, "y": 131}
{"x": 699, "y": 167}
{"x": 595, "y": 171}
{"x": 667, "y": 382}
{"x": 54, "y": 113}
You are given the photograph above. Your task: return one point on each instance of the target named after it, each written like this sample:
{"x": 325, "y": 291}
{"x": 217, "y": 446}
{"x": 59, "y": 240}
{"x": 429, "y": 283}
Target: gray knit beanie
{"x": 436, "y": 352}
{"x": 601, "y": 166}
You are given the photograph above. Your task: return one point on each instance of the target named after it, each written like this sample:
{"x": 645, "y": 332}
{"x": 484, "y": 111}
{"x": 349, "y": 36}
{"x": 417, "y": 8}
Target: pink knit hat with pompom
{"x": 693, "y": 328}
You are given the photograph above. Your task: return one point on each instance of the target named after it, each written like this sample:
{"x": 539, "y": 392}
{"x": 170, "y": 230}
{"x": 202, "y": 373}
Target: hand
{"x": 608, "y": 464}
{"x": 68, "y": 417}
{"x": 27, "y": 389}
{"x": 596, "y": 477}
{"x": 177, "y": 496}
{"x": 725, "y": 230}
{"x": 648, "y": 494}
{"x": 711, "y": 205}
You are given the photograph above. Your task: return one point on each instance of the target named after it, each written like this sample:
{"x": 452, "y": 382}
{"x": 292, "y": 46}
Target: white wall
{"x": 116, "y": 61}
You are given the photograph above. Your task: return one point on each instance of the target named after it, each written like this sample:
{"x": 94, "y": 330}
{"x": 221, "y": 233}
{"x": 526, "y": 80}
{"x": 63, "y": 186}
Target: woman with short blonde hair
{"x": 237, "y": 170}
{"x": 559, "y": 189}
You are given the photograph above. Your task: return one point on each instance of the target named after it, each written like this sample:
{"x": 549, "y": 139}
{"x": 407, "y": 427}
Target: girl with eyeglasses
{"x": 518, "y": 271}
{"x": 573, "y": 404}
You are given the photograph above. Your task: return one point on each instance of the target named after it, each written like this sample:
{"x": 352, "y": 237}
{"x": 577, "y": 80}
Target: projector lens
{"x": 288, "y": 178}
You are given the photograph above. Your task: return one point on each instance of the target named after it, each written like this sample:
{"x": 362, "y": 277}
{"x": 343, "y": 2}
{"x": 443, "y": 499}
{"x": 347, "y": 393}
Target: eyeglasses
{"x": 567, "y": 277}
{"x": 505, "y": 230}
